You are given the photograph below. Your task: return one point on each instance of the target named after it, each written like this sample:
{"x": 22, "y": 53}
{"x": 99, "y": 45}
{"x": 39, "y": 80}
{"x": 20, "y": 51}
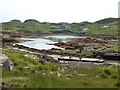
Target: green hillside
{"x": 108, "y": 26}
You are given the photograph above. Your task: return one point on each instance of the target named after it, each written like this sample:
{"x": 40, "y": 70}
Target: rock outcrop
{"x": 5, "y": 63}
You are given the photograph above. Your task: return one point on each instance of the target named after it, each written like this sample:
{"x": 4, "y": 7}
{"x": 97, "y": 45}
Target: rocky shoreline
{"x": 44, "y": 55}
{"x": 74, "y": 44}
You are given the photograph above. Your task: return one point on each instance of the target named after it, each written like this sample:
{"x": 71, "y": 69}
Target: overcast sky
{"x": 58, "y": 10}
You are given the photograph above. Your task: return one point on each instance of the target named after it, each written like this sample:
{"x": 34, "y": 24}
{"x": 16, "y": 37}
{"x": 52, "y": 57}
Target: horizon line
{"x": 57, "y": 22}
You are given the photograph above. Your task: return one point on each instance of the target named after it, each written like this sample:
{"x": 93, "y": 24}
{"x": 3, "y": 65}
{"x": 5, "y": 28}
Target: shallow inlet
{"x": 43, "y": 42}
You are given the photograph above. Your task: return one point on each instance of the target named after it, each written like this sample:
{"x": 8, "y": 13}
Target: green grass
{"x": 45, "y": 76}
{"x": 115, "y": 48}
{"x": 75, "y": 81}
{"x": 104, "y": 31}
{"x": 75, "y": 52}
{"x": 8, "y": 30}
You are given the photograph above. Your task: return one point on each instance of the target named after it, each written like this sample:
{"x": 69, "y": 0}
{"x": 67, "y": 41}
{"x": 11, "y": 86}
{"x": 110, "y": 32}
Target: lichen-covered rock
{"x": 5, "y": 63}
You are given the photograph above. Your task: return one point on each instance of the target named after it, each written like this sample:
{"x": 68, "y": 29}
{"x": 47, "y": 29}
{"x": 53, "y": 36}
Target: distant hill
{"x": 108, "y": 26}
{"x": 107, "y": 20}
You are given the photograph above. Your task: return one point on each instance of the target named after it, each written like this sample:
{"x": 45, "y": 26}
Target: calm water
{"x": 42, "y": 42}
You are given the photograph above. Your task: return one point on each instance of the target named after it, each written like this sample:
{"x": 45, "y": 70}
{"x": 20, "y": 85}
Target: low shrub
{"x": 85, "y": 83}
{"x": 107, "y": 72}
{"x": 114, "y": 77}
{"x": 103, "y": 75}
{"x": 117, "y": 84}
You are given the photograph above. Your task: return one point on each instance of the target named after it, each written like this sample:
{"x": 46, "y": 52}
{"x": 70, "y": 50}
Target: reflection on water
{"x": 42, "y": 43}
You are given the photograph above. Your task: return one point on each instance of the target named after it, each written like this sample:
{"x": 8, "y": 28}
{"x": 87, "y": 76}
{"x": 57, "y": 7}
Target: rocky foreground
{"x": 30, "y": 71}
{"x": 5, "y": 63}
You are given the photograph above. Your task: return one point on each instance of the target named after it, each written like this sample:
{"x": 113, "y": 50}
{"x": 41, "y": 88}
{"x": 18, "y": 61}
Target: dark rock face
{"x": 8, "y": 39}
{"x": 5, "y": 63}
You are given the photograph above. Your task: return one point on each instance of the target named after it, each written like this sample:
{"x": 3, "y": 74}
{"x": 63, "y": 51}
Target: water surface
{"x": 43, "y": 42}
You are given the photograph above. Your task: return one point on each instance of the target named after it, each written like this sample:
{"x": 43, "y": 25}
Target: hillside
{"x": 108, "y": 26}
